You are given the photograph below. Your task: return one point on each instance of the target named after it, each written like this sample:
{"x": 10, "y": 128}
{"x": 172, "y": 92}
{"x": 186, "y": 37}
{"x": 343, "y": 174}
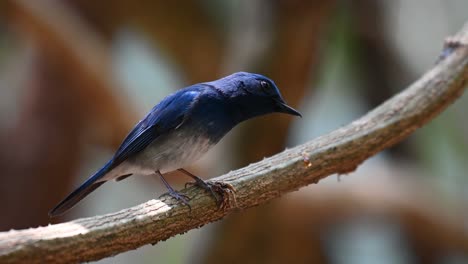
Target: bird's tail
{"x": 81, "y": 192}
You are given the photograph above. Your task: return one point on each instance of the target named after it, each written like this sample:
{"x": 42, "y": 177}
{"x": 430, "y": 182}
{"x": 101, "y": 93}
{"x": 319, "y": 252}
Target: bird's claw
{"x": 219, "y": 190}
{"x": 180, "y": 197}
{"x": 210, "y": 187}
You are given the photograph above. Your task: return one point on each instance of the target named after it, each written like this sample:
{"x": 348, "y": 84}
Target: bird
{"x": 182, "y": 128}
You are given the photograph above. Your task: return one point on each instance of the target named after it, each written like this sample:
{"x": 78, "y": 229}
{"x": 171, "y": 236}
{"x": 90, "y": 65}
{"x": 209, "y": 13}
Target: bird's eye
{"x": 265, "y": 86}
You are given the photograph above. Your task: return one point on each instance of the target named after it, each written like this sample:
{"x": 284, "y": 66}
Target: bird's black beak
{"x": 282, "y": 107}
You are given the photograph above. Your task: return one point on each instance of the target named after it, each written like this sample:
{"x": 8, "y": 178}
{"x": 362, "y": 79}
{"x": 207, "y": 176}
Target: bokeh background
{"x": 76, "y": 75}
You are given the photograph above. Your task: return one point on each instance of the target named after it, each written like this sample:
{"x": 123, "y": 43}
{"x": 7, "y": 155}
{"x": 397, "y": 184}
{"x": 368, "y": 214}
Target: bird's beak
{"x": 284, "y": 108}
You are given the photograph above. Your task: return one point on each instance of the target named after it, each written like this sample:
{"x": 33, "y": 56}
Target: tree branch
{"x": 340, "y": 151}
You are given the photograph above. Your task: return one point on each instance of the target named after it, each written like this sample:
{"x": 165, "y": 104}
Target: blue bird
{"x": 183, "y": 127}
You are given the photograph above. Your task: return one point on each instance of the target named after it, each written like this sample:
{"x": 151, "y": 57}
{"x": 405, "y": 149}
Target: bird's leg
{"x": 177, "y": 195}
{"x": 212, "y": 188}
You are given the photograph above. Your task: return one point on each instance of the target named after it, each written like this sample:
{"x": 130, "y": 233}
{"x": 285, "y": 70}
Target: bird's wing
{"x": 168, "y": 114}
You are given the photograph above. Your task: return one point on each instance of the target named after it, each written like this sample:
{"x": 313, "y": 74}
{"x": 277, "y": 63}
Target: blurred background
{"x": 76, "y": 75}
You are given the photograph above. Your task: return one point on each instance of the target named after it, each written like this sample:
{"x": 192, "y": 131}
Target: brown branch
{"x": 340, "y": 151}
{"x": 294, "y": 227}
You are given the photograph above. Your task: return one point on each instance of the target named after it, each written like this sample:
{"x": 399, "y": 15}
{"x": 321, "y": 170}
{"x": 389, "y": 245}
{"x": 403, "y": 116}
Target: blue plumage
{"x": 182, "y": 127}
{"x": 166, "y": 115}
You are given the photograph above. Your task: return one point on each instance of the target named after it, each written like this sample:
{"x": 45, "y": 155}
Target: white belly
{"x": 178, "y": 154}
{"x": 165, "y": 154}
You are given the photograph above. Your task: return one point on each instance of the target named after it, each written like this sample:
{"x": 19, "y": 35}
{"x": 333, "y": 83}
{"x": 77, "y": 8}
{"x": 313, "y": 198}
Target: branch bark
{"x": 340, "y": 151}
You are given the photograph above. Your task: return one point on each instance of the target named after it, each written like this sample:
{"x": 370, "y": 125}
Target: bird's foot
{"x": 175, "y": 194}
{"x": 219, "y": 190}
{"x": 180, "y": 197}
{"x": 204, "y": 185}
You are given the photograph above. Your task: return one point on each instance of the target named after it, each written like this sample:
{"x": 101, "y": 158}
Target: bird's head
{"x": 254, "y": 94}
